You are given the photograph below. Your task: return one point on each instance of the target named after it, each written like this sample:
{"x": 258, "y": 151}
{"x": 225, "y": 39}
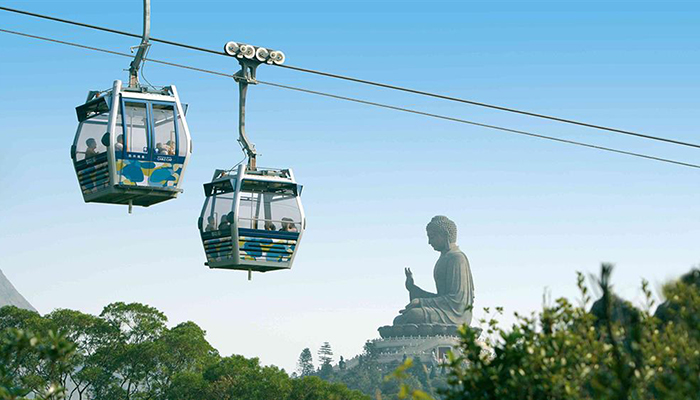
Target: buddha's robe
{"x": 455, "y": 294}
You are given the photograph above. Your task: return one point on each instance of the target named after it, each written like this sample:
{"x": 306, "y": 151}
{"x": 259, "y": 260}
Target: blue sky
{"x": 530, "y": 213}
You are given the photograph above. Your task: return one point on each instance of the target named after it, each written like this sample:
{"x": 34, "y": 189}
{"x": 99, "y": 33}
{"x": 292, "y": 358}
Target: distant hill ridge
{"x": 9, "y": 296}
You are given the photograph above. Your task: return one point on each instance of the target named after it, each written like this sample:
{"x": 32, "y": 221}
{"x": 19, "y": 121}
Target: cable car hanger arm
{"x": 245, "y": 77}
{"x": 248, "y": 146}
{"x": 141, "y": 52}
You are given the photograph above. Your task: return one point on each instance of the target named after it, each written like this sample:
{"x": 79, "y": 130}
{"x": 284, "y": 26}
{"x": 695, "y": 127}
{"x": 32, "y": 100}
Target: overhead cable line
{"x": 110, "y": 30}
{"x": 495, "y": 107}
{"x": 463, "y": 121}
{"x": 116, "y": 53}
{"x": 366, "y": 102}
{"x": 377, "y": 84}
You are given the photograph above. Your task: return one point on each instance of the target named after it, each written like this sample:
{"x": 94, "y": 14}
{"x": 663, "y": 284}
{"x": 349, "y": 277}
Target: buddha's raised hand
{"x": 409, "y": 278}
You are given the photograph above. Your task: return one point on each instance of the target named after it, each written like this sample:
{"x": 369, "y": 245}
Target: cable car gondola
{"x": 132, "y": 144}
{"x": 252, "y": 218}
{"x": 131, "y": 147}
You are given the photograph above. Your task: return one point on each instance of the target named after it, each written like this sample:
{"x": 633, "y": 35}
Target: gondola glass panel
{"x": 166, "y": 156}
{"x": 89, "y": 149}
{"x": 164, "y": 129}
{"x": 182, "y": 147}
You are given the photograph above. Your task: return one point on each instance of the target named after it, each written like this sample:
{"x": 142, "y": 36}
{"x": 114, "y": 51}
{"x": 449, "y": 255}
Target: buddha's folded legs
{"x": 415, "y": 315}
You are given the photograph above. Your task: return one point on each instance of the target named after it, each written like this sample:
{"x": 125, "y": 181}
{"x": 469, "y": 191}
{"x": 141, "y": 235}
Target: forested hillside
{"x": 128, "y": 352}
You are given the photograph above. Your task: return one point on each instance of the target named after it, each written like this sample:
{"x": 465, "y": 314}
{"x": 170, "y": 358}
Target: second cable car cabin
{"x": 132, "y": 146}
{"x": 252, "y": 220}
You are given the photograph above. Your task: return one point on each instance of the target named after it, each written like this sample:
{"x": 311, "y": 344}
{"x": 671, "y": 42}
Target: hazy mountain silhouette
{"x": 9, "y": 296}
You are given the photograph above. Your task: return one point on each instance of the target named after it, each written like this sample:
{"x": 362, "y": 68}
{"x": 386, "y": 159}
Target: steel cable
{"x": 373, "y": 83}
{"x": 366, "y": 102}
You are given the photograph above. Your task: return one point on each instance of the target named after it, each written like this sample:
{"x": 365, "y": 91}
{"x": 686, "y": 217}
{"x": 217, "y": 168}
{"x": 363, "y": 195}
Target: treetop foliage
{"x": 305, "y": 365}
{"x": 129, "y": 353}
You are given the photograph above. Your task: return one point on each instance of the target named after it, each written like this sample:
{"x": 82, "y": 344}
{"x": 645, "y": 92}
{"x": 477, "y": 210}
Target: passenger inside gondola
{"x": 170, "y": 147}
{"x": 224, "y": 224}
{"x": 91, "y": 148}
{"x": 211, "y": 224}
{"x": 119, "y": 146}
{"x": 269, "y": 226}
{"x": 288, "y": 225}
{"x": 160, "y": 149}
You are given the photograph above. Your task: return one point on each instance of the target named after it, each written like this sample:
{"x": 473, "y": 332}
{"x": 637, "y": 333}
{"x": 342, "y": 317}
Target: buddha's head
{"x": 442, "y": 232}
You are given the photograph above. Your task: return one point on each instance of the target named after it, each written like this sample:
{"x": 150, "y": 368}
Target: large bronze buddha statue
{"x": 442, "y": 312}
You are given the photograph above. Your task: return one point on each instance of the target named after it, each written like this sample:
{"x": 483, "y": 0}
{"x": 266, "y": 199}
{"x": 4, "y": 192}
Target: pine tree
{"x": 305, "y": 365}
{"x": 325, "y": 354}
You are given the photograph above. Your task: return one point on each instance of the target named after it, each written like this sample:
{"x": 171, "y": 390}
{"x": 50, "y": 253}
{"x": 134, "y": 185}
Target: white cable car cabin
{"x": 252, "y": 220}
{"x": 132, "y": 146}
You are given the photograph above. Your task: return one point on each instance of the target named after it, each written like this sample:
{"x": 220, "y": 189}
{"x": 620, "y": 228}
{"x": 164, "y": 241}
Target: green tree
{"x": 138, "y": 323}
{"x": 180, "y": 350}
{"x": 130, "y": 358}
{"x": 32, "y": 368}
{"x": 325, "y": 357}
{"x": 670, "y": 310}
{"x": 52, "y": 351}
{"x": 368, "y": 375}
{"x": 19, "y": 318}
{"x": 305, "y": 365}
{"x": 402, "y": 378}
{"x": 237, "y": 377}
{"x": 674, "y": 348}
{"x": 315, "y": 388}
{"x": 187, "y": 386}
{"x": 89, "y": 334}
{"x": 325, "y": 354}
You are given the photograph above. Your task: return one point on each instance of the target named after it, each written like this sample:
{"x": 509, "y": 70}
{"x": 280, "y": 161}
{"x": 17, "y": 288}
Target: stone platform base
{"x": 432, "y": 350}
{"x": 391, "y": 331}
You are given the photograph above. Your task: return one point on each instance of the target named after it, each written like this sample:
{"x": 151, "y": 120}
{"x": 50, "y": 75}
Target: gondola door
{"x": 134, "y": 155}
{"x": 153, "y": 150}
{"x": 168, "y": 145}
